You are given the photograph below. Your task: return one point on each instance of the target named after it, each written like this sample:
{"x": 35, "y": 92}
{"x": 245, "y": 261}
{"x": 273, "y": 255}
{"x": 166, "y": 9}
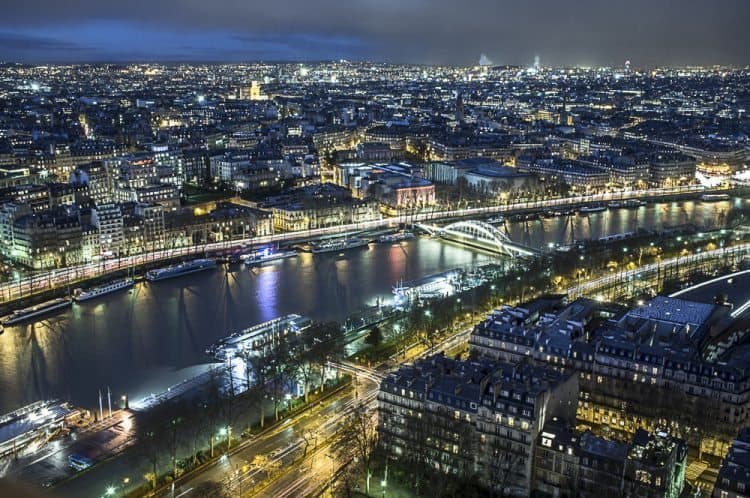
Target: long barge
{"x": 181, "y": 269}
{"x": 37, "y": 310}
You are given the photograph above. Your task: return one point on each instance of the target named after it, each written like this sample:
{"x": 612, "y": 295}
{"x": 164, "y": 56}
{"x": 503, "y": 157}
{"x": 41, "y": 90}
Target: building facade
{"x": 478, "y": 420}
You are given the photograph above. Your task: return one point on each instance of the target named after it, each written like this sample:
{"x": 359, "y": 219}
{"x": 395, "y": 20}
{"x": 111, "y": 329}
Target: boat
{"x": 395, "y": 237}
{"x": 258, "y": 336}
{"x": 267, "y": 256}
{"x": 525, "y": 217}
{"x": 102, "y": 290}
{"x": 616, "y": 236}
{"x": 496, "y": 220}
{"x": 334, "y": 245}
{"x": 28, "y": 426}
{"x": 434, "y": 286}
{"x": 592, "y": 209}
{"x": 180, "y": 269}
{"x": 626, "y": 204}
{"x": 633, "y": 203}
{"x": 715, "y": 197}
{"x": 37, "y": 310}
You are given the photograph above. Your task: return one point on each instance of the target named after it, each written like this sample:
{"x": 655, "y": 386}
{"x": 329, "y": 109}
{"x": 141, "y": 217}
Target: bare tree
{"x": 360, "y": 433}
{"x": 258, "y": 365}
{"x": 279, "y": 371}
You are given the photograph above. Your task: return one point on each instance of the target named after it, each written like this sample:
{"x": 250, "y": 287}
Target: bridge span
{"x": 481, "y": 235}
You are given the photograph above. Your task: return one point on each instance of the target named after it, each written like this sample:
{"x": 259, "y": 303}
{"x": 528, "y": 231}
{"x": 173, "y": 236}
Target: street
{"x": 283, "y": 446}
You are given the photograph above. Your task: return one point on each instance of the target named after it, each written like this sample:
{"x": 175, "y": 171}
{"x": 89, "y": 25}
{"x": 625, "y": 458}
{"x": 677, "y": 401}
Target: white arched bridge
{"x": 479, "y": 234}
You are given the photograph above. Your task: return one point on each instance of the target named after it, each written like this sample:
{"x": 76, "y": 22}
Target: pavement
{"x": 98, "y": 442}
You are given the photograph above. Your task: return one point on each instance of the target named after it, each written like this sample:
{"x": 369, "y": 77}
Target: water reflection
{"x": 155, "y": 335}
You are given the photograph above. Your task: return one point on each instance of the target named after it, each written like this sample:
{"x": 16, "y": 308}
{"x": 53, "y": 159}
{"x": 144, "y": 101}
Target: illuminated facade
{"x": 478, "y": 419}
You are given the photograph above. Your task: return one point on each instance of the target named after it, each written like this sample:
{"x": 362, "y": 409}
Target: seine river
{"x": 142, "y": 341}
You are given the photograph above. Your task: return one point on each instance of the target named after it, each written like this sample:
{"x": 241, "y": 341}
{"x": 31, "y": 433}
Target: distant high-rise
{"x": 460, "y": 108}
{"x": 564, "y": 111}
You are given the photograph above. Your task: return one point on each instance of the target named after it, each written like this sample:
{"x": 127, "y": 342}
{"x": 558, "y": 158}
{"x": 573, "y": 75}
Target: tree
{"x": 257, "y": 365}
{"x": 173, "y": 440}
{"x": 374, "y": 337}
{"x": 322, "y": 342}
{"x": 212, "y": 411}
{"x": 151, "y": 435}
{"x": 268, "y": 465}
{"x": 360, "y": 434}
{"x": 197, "y": 429}
{"x": 307, "y": 436}
{"x": 304, "y": 367}
{"x": 279, "y": 371}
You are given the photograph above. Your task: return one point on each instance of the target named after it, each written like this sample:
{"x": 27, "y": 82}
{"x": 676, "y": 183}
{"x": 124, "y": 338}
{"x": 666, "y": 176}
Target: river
{"x": 144, "y": 340}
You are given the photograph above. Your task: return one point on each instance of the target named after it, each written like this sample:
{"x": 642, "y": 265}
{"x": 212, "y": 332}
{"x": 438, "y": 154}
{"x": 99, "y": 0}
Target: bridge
{"x": 51, "y": 280}
{"x": 480, "y": 235}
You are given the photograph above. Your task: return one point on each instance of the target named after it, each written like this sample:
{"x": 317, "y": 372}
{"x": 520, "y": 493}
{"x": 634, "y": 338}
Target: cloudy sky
{"x": 584, "y": 32}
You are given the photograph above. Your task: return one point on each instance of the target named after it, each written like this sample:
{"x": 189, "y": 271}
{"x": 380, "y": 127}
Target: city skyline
{"x": 375, "y": 249}
{"x": 587, "y": 34}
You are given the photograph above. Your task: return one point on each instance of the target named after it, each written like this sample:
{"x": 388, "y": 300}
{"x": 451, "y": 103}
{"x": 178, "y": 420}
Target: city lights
{"x": 316, "y": 250}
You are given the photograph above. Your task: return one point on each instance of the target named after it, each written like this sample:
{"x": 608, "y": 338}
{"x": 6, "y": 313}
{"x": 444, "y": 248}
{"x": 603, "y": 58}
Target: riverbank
{"x": 53, "y": 282}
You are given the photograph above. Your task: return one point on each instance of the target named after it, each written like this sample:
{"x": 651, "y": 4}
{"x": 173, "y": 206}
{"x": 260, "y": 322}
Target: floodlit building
{"x": 473, "y": 418}
{"x": 569, "y": 463}
{"x": 734, "y": 475}
{"x": 637, "y": 368}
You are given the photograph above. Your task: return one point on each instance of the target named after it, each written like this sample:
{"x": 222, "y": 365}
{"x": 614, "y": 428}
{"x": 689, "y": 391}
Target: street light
{"x": 110, "y": 491}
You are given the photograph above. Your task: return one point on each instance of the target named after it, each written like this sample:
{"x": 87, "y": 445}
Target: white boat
{"x": 633, "y": 203}
{"x": 395, "y": 237}
{"x": 259, "y": 336}
{"x": 715, "y": 197}
{"x": 335, "y": 245}
{"x": 627, "y": 204}
{"x": 496, "y": 220}
{"x": 37, "y": 310}
{"x": 268, "y": 256}
{"x": 592, "y": 209}
{"x": 102, "y": 290}
{"x": 181, "y": 269}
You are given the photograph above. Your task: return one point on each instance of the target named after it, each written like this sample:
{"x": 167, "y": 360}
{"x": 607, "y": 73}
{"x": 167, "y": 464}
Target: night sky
{"x": 561, "y": 32}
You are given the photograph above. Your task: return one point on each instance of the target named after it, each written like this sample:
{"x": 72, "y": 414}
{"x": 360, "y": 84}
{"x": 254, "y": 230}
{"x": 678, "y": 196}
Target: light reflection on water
{"x": 140, "y": 341}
